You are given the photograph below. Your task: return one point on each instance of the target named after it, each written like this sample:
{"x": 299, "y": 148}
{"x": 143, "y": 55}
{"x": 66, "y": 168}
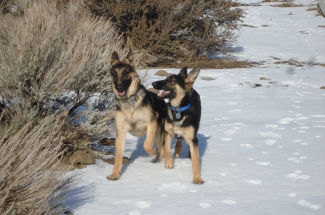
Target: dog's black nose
{"x": 119, "y": 87}
{"x": 154, "y": 84}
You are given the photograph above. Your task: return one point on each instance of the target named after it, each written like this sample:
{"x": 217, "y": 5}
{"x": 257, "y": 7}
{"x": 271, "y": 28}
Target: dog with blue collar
{"x": 183, "y": 116}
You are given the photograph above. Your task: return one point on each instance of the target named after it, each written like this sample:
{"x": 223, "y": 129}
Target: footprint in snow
{"x": 174, "y": 186}
{"x": 247, "y": 145}
{"x": 309, "y": 205}
{"x": 296, "y": 106}
{"x": 296, "y": 160}
{"x": 271, "y": 135}
{"x": 299, "y": 118}
{"x": 255, "y": 182}
{"x": 263, "y": 163}
{"x": 230, "y": 132}
{"x": 285, "y": 120}
{"x": 297, "y": 141}
{"x": 142, "y": 204}
{"x": 235, "y": 110}
{"x": 292, "y": 194}
{"x": 134, "y": 212}
{"x": 272, "y": 126}
{"x": 297, "y": 175}
{"x": 270, "y": 142}
{"x": 229, "y": 202}
{"x": 223, "y": 174}
{"x": 205, "y": 205}
{"x": 232, "y": 103}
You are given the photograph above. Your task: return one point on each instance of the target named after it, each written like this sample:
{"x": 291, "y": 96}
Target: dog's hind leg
{"x": 159, "y": 139}
{"x": 178, "y": 148}
{"x": 149, "y": 142}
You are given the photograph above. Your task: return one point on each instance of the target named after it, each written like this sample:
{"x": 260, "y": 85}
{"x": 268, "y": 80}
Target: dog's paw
{"x": 198, "y": 181}
{"x": 169, "y": 164}
{"x": 113, "y": 176}
{"x": 156, "y": 160}
{"x": 176, "y": 155}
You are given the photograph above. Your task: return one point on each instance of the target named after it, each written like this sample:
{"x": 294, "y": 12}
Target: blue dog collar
{"x": 179, "y": 110}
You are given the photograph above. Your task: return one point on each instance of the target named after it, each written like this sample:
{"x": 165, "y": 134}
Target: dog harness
{"x": 180, "y": 110}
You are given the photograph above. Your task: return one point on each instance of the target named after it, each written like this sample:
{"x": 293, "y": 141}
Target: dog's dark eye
{"x": 172, "y": 79}
{"x": 114, "y": 74}
{"x": 126, "y": 72}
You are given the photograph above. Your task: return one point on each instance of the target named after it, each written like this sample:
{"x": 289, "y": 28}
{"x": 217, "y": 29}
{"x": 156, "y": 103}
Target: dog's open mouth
{"x": 121, "y": 93}
{"x": 164, "y": 93}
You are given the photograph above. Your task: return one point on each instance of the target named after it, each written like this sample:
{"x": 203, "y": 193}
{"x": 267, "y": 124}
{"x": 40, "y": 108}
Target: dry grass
{"x": 32, "y": 177}
{"x": 56, "y": 60}
{"x": 173, "y": 29}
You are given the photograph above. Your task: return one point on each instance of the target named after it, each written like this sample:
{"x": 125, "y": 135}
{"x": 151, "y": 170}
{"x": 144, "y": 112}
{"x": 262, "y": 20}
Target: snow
{"x": 262, "y": 148}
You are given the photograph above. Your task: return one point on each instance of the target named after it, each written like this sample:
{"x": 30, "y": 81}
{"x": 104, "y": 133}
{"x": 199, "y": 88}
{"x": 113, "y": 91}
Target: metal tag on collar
{"x": 178, "y": 114}
{"x": 131, "y": 101}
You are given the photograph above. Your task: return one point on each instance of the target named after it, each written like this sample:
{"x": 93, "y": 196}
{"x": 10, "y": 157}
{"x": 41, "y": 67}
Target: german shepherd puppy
{"x": 138, "y": 111}
{"x": 183, "y": 116}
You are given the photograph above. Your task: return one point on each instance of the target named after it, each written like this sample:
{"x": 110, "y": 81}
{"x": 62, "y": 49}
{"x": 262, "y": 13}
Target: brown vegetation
{"x": 54, "y": 59}
{"x": 57, "y": 60}
{"x": 173, "y": 29}
{"x": 32, "y": 177}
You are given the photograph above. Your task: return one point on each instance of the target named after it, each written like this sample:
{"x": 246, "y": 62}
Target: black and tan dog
{"x": 183, "y": 118}
{"x": 138, "y": 111}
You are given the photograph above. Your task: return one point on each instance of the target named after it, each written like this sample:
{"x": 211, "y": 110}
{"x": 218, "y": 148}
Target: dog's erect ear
{"x": 191, "y": 77}
{"x": 114, "y": 58}
{"x": 129, "y": 58}
{"x": 183, "y": 72}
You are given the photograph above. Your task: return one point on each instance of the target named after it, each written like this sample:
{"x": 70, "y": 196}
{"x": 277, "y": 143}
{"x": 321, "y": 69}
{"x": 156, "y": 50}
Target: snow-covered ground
{"x": 262, "y": 148}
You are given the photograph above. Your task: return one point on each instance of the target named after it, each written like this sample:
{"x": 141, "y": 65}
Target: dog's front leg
{"x": 119, "y": 148}
{"x": 168, "y": 155}
{"x": 151, "y": 132}
{"x": 195, "y": 155}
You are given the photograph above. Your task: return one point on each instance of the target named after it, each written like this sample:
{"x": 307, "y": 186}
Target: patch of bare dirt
{"x": 205, "y": 63}
{"x": 291, "y": 62}
{"x": 287, "y": 4}
{"x": 249, "y": 26}
{"x": 267, "y": 84}
{"x": 107, "y": 141}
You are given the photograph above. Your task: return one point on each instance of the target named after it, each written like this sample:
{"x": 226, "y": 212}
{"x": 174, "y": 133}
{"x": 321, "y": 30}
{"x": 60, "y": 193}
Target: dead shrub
{"x": 173, "y": 29}
{"x": 56, "y": 59}
{"x": 32, "y": 178}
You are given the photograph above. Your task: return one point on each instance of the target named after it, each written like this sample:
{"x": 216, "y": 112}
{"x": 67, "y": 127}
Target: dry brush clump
{"x": 173, "y": 29}
{"x": 32, "y": 178}
{"x": 55, "y": 93}
{"x": 55, "y": 59}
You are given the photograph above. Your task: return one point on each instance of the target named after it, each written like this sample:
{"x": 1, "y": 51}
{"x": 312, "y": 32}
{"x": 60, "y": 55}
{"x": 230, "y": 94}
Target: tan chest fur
{"x": 134, "y": 118}
{"x": 176, "y": 130}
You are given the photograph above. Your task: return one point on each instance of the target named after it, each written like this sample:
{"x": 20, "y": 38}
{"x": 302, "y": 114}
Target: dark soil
{"x": 205, "y": 63}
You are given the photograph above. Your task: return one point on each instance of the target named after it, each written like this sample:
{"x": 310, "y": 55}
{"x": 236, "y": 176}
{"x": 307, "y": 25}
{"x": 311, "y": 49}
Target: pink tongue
{"x": 121, "y": 93}
{"x": 164, "y": 93}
